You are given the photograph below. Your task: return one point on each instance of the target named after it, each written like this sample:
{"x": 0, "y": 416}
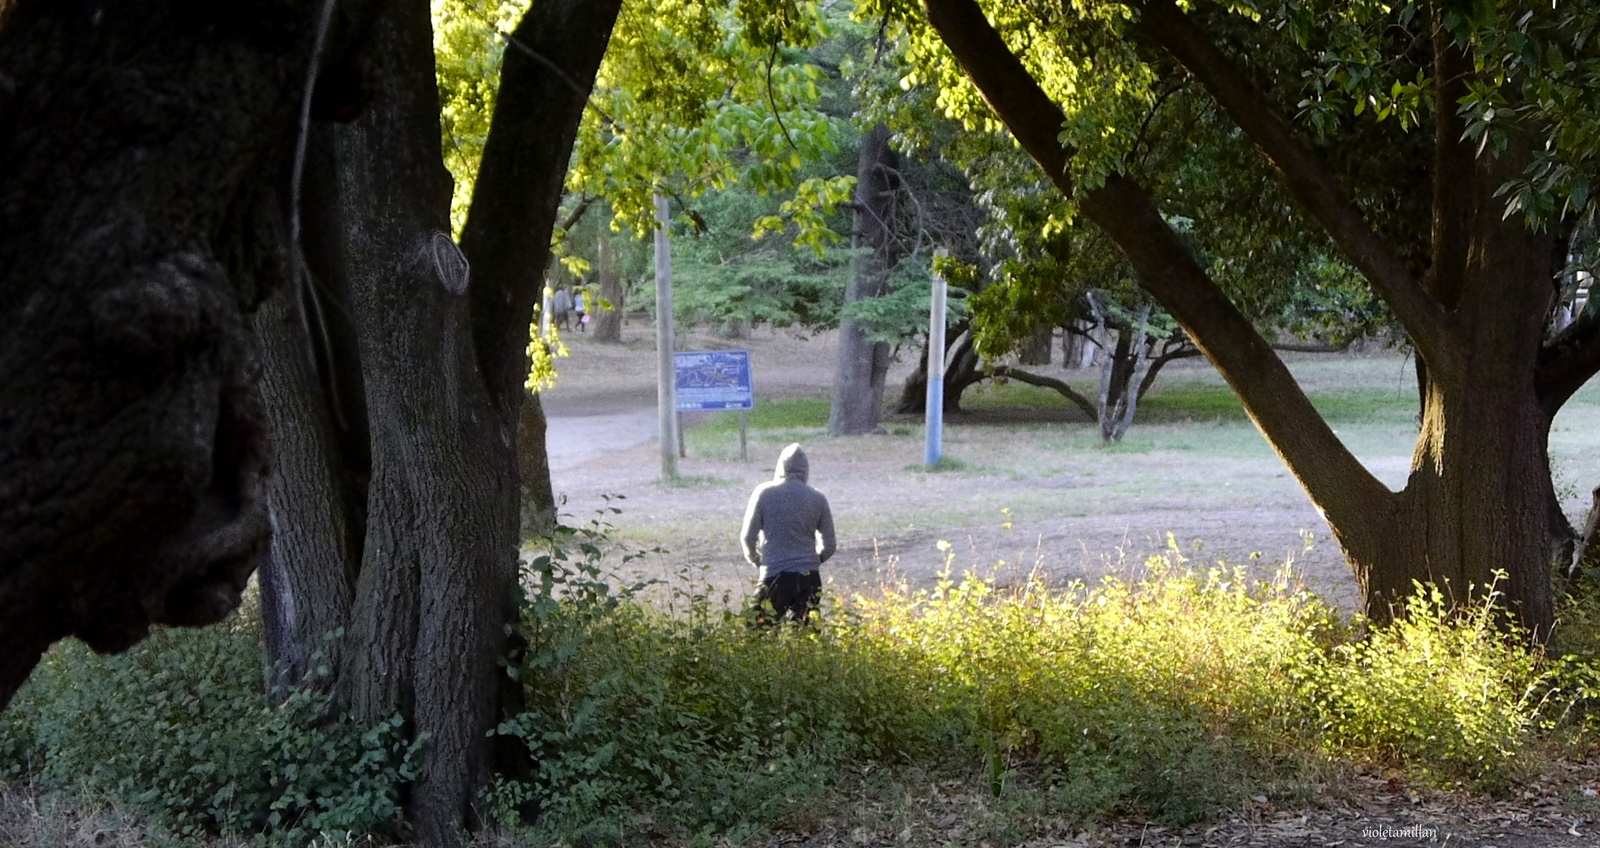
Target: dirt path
{"x": 1007, "y": 509}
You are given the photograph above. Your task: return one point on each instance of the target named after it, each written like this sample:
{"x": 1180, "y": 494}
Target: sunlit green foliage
{"x": 723, "y": 278}
{"x": 543, "y": 351}
{"x": 468, "y": 43}
{"x": 687, "y": 100}
{"x": 1036, "y": 260}
{"x": 1445, "y": 692}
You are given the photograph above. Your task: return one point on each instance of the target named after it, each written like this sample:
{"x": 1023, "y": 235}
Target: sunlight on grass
{"x": 770, "y": 422}
{"x": 1176, "y": 694}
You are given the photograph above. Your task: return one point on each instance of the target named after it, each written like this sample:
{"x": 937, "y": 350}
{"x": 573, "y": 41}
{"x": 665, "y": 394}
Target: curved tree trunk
{"x": 863, "y": 364}
{"x": 961, "y": 373}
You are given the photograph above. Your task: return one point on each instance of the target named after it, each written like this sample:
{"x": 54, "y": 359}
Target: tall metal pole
{"x": 666, "y": 384}
{"x": 935, "y": 398}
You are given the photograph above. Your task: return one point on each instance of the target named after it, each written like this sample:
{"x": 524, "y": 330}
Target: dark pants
{"x": 793, "y": 594}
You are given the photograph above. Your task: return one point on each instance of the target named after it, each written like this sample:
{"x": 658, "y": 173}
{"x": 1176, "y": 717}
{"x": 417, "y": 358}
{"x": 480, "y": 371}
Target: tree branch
{"x": 1066, "y": 391}
{"x": 1305, "y": 176}
{"x": 1568, "y": 363}
{"x": 1183, "y": 351}
{"x": 515, "y": 201}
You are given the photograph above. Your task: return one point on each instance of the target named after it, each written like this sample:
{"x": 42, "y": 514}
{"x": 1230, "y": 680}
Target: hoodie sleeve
{"x": 825, "y": 528}
{"x": 750, "y": 535}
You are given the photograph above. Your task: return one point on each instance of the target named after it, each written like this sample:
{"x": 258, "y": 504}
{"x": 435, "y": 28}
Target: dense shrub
{"x": 1452, "y": 695}
{"x": 180, "y": 728}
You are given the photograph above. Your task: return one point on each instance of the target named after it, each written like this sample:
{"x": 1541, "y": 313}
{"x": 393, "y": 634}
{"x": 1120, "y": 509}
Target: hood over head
{"x": 792, "y": 464}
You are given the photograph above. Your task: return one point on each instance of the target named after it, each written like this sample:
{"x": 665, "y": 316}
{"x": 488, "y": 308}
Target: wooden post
{"x": 666, "y": 383}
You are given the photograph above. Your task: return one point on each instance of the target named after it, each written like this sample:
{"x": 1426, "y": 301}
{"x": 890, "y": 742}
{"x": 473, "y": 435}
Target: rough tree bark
{"x": 146, "y": 150}
{"x": 863, "y": 366}
{"x": 1475, "y": 502}
{"x": 608, "y": 322}
{"x": 1123, "y": 371}
{"x": 430, "y": 470}
{"x": 961, "y": 372}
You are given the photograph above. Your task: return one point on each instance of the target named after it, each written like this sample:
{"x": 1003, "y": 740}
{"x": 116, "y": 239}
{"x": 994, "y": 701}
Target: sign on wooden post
{"x": 715, "y": 381}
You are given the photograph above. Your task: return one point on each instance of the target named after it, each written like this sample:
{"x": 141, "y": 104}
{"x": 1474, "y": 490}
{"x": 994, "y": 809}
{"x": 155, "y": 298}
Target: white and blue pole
{"x": 935, "y": 400}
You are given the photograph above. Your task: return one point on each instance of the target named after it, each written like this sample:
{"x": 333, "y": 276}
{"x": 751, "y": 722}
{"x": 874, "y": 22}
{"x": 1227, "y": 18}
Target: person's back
{"x": 788, "y": 532}
{"x": 562, "y": 307}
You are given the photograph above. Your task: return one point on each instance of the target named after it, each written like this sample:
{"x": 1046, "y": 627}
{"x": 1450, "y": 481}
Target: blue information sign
{"x": 710, "y": 380}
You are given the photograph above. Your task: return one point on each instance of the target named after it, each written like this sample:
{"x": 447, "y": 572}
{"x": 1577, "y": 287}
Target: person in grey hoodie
{"x": 788, "y": 533}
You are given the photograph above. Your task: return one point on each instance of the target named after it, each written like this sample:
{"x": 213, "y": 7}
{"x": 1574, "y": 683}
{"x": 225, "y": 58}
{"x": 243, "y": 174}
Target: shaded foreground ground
{"x": 1363, "y": 811}
{"x": 1370, "y": 810}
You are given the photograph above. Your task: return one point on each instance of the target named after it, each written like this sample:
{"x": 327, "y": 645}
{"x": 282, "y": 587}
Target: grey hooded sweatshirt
{"x": 785, "y": 518}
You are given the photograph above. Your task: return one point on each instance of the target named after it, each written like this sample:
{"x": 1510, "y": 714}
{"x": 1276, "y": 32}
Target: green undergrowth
{"x": 1173, "y": 696}
{"x": 179, "y": 728}
{"x": 656, "y": 714}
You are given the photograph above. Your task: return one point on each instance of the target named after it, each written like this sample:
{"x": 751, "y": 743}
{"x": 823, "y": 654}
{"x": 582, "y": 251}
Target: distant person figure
{"x": 562, "y": 307}
{"x": 580, "y": 308}
{"x": 788, "y": 533}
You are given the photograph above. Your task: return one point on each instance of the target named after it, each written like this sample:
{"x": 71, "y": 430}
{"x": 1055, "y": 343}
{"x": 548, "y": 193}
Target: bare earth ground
{"x": 1033, "y": 490}
{"x": 1046, "y": 495}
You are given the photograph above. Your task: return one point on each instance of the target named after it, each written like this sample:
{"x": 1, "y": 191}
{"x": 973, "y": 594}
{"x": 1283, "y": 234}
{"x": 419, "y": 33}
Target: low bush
{"x": 1452, "y": 695}
{"x": 181, "y": 729}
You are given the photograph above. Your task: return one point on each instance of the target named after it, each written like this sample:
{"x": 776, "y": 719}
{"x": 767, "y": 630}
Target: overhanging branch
{"x": 1166, "y": 268}
{"x": 1567, "y": 364}
{"x": 1304, "y": 175}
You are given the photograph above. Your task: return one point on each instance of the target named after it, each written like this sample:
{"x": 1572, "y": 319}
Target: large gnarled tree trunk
{"x": 412, "y": 432}
{"x": 145, "y": 161}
